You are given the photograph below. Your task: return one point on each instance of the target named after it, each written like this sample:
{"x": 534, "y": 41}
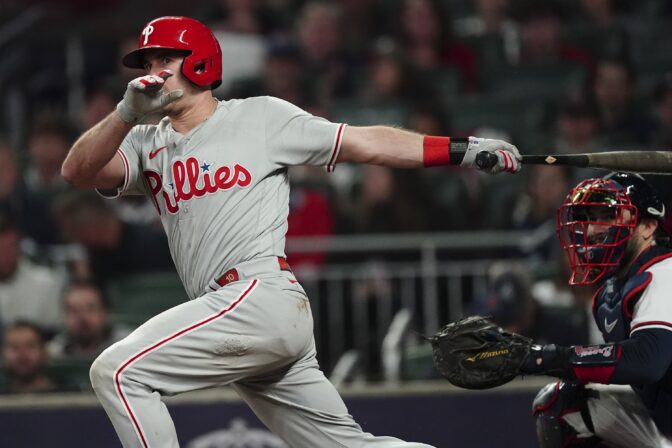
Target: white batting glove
{"x": 508, "y": 157}
{"x": 144, "y": 96}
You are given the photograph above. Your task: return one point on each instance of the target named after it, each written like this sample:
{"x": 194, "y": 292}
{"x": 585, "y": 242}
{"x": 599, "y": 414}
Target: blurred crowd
{"x": 551, "y": 76}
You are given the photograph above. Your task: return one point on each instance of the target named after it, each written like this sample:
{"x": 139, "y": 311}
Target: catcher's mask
{"x": 598, "y": 217}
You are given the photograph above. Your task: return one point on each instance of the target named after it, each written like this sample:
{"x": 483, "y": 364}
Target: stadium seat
{"x": 135, "y": 299}
{"x": 513, "y": 115}
{"x": 540, "y": 82}
{"x": 446, "y": 82}
{"x": 417, "y": 363}
{"x": 651, "y": 69}
{"x": 489, "y": 49}
{"x": 357, "y": 113}
{"x": 71, "y": 373}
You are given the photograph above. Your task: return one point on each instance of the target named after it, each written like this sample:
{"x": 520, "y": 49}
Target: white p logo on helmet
{"x": 149, "y": 29}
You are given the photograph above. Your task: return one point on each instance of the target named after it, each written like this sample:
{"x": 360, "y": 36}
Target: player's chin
{"x": 172, "y": 108}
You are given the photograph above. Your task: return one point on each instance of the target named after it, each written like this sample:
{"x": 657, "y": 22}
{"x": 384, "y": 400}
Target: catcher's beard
{"x": 633, "y": 247}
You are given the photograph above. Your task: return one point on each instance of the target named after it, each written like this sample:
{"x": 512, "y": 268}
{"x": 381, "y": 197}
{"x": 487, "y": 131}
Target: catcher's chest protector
{"x": 615, "y": 301}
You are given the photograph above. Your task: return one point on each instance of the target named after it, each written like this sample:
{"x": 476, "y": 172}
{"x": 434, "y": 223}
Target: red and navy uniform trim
{"x": 653, "y": 261}
{"x": 597, "y": 374}
{"x": 627, "y": 309}
{"x": 336, "y": 149}
{"x": 127, "y": 170}
{"x": 651, "y": 323}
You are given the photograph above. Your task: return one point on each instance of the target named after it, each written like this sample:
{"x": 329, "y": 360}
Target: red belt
{"x": 232, "y": 274}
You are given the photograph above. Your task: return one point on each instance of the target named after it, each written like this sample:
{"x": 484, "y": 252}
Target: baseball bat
{"x": 651, "y": 162}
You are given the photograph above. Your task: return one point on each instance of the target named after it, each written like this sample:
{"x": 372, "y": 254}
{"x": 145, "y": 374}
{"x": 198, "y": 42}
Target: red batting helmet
{"x": 202, "y": 66}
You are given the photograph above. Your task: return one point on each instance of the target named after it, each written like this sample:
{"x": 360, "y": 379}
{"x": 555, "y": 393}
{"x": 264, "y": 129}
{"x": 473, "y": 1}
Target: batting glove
{"x": 144, "y": 96}
{"x": 508, "y": 157}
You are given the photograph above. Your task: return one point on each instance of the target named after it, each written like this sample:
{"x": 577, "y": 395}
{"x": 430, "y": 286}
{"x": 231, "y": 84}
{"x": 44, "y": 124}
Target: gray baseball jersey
{"x": 222, "y": 189}
{"x": 222, "y": 193}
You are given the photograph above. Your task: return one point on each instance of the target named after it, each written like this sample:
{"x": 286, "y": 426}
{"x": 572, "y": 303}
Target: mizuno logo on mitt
{"x": 486, "y": 355}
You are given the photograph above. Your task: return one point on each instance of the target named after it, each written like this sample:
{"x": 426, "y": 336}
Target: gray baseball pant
{"x": 255, "y": 334}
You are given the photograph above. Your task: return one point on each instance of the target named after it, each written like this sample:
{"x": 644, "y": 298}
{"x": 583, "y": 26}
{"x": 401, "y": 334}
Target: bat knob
{"x": 486, "y": 160}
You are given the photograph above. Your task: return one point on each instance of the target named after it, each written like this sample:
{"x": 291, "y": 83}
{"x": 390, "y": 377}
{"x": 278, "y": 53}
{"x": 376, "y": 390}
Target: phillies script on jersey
{"x": 193, "y": 179}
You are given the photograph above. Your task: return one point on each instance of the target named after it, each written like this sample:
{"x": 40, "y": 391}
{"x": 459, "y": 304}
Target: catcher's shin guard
{"x": 554, "y": 401}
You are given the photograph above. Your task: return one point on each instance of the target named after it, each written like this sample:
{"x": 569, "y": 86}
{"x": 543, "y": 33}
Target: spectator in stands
{"x": 24, "y": 357}
{"x": 623, "y": 120}
{"x": 27, "y": 291}
{"x": 428, "y": 118}
{"x": 238, "y": 16}
{"x": 388, "y": 77}
{"x": 541, "y": 39}
{"x": 536, "y": 210}
{"x": 309, "y": 215}
{"x": 115, "y": 248}
{"x": 48, "y": 144}
{"x": 387, "y": 201}
{"x": 428, "y": 42}
{"x": 662, "y": 137}
{"x": 663, "y": 110}
{"x": 491, "y": 33}
{"x": 100, "y": 101}
{"x": 492, "y": 17}
{"x": 577, "y": 127}
{"x": 551, "y": 290}
{"x": 600, "y": 31}
{"x": 325, "y": 66}
{"x": 510, "y": 302}
{"x": 88, "y": 330}
{"x": 578, "y": 131}
{"x": 364, "y": 23}
{"x": 281, "y": 77}
{"x": 11, "y": 188}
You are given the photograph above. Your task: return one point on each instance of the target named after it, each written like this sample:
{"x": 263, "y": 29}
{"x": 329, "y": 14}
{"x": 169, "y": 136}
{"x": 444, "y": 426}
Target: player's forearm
{"x": 94, "y": 149}
{"x": 382, "y": 145}
{"x": 397, "y": 148}
{"x": 642, "y": 359}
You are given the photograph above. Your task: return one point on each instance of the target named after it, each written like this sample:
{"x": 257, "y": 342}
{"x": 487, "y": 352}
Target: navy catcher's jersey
{"x": 641, "y": 300}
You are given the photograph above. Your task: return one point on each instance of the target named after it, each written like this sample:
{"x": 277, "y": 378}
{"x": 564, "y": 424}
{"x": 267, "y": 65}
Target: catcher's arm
{"x": 642, "y": 359}
{"x": 475, "y": 353}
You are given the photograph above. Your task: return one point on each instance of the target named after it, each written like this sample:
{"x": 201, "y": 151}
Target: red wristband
{"x": 436, "y": 151}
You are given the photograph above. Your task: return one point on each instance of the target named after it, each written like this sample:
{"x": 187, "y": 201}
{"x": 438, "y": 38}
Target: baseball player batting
{"x": 216, "y": 172}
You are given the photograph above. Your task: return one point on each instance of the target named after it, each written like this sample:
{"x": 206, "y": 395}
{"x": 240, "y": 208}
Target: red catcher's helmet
{"x": 202, "y": 65}
{"x": 613, "y": 204}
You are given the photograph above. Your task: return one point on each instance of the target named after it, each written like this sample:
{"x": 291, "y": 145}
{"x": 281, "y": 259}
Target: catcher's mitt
{"x": 474, "y": 353}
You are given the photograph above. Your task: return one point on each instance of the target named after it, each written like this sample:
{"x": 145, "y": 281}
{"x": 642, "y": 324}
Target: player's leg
{"x": 209, "y": 341}
{"x": 550, "y": 407}
{"x": 571, "y": 415}
{"x": 621, "y": 419}
{"x": 302, "y": 407}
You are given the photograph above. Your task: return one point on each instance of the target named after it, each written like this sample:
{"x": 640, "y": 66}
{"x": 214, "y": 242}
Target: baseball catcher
{"x": 616, "y": 394}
